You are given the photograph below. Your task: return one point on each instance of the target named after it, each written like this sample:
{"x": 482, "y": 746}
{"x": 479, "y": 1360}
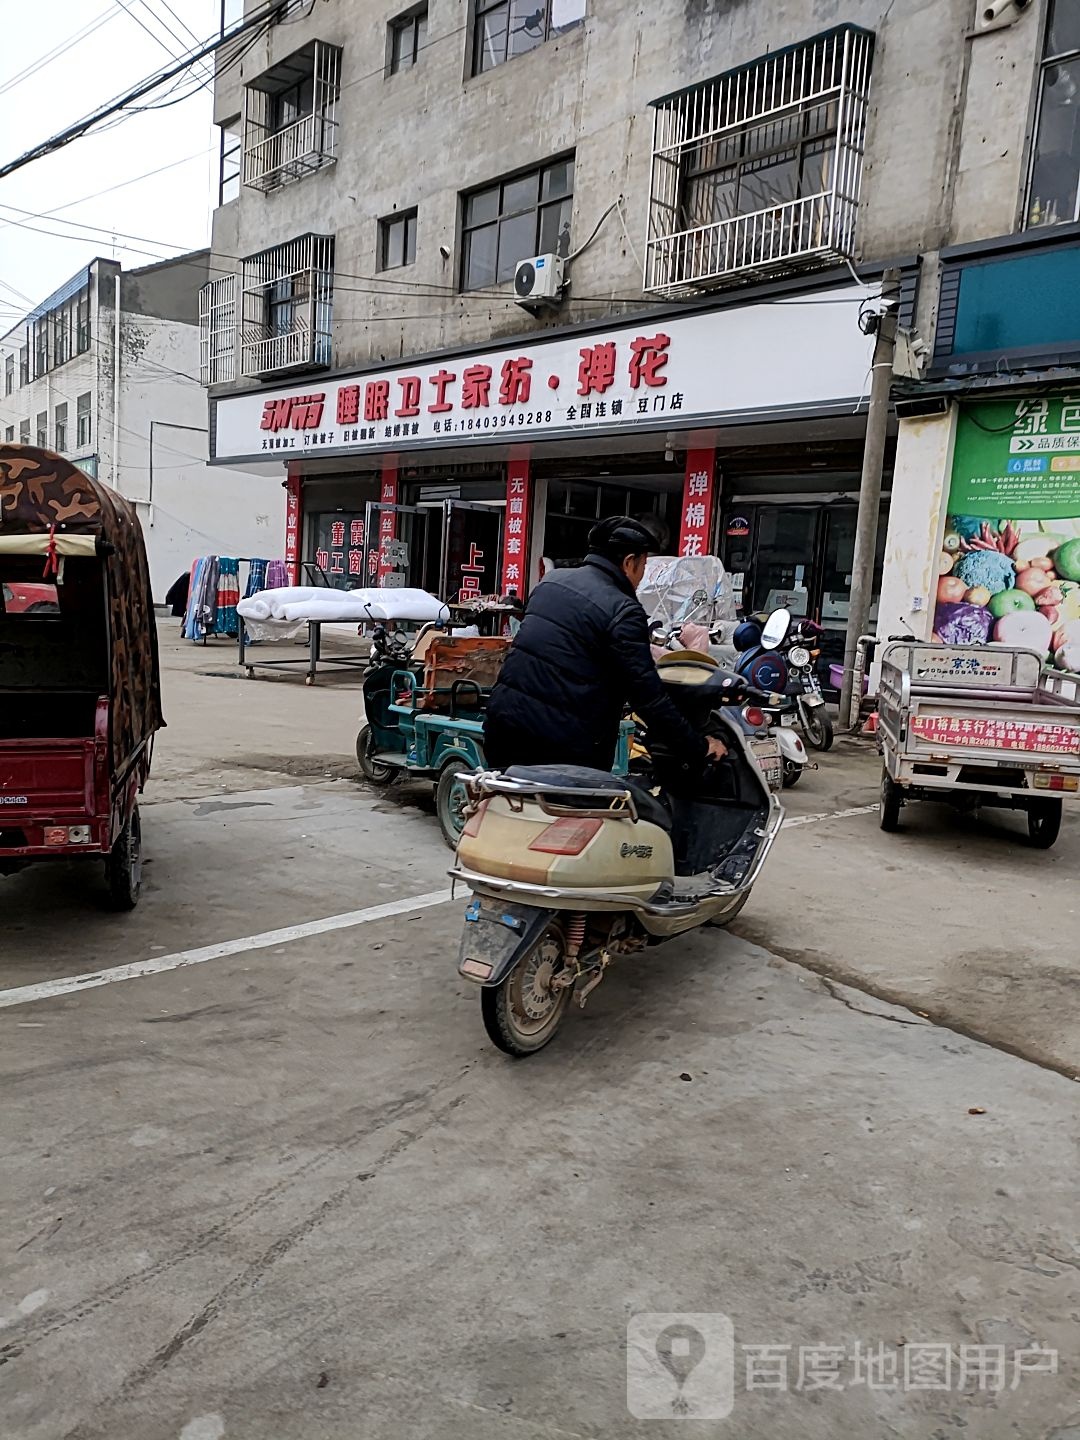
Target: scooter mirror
{"x": 776, "y": 628}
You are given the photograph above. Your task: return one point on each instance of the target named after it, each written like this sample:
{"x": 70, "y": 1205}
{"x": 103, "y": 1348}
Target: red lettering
{"x": 356, "y": 562}
{"x": 441, "y": 379}
{"x": 356, "y": 532}
{"x": 322, "y": 559}
{"x": 410, "y": 395}
{"x": 275, "y": 415}
{"x": 597, "y": 369}
{"x": 476, "y": 387}
{"x": 337, "y": 534}
{"x": 377, "y": 400}
{"x": 516, "y": 386}
{"x": 348, "y": 405}
{"x": 648, "y": 356}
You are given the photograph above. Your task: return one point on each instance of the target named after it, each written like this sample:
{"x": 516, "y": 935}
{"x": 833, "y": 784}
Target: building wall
{"x": 196, "y": 510}
{"x": 945, "y": 145}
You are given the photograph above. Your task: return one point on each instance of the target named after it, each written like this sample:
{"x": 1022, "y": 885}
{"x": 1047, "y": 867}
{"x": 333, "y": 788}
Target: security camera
{"x": 996, "y": 14}
{"x": 444, "y": 251}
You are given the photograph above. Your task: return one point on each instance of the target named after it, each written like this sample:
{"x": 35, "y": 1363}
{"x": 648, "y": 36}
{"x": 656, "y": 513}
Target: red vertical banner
{"x": 699, "y": 491}
{"x": 388, "y": 495}
{"x": 294, "y": 522}
{"x": 515, "y": 546}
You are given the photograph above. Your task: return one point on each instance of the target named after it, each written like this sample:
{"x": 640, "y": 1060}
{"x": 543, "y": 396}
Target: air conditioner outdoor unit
{"x": 539, "y": 282}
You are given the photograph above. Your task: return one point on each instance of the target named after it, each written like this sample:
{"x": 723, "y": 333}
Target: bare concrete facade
{"x": 946, "y": 147}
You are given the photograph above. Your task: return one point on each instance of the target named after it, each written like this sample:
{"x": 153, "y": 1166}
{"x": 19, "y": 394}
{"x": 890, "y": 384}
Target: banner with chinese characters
{"x": 388, "y": 495}
{"x": 1009, "y": 569}
{"x": 515, "y": 557}
{"x": 697, "y": 507}
{"x": 762, "y": 359}
{"x": 293, "y": 525}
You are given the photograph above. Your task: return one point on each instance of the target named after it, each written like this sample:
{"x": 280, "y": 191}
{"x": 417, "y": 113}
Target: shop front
{"x": 470, "y": 474}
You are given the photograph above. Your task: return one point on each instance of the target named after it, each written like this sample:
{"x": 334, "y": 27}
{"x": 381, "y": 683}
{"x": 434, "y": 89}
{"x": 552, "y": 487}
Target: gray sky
{"x": 173, "y": 206}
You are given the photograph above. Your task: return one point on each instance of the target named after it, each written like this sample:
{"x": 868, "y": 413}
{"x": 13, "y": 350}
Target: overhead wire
{"x": 27, "y": 72}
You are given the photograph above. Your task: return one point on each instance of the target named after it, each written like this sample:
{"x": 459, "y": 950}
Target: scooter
{"x": 572, "y": 868}
{"x": 764, "y": 664}
{"x": 798, "y": 649}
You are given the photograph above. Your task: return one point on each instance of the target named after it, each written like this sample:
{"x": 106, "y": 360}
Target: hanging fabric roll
{"x": 228, "y": 596}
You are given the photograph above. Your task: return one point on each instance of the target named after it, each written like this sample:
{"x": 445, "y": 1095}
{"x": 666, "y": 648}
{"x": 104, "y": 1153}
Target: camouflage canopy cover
{"x": 42, "y": 494}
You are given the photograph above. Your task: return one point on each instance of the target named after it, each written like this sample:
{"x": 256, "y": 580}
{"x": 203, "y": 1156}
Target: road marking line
{"x": 829, "y": 815}
{"x": 26, "y": 994}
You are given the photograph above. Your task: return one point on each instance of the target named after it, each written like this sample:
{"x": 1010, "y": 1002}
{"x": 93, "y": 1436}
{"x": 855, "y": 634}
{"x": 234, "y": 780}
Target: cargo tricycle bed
{"x": 975, "y": 727}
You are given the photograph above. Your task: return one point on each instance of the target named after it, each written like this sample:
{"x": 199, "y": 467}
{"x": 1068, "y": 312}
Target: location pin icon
{"x": 680, "y": 1349}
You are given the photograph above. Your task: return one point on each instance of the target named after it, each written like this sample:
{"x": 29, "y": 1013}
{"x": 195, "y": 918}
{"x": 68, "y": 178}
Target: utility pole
{"x": 866, "y": 526}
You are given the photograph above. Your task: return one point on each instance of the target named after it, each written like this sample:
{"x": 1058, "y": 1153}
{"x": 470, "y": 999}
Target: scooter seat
{"x": 571, "y": 782}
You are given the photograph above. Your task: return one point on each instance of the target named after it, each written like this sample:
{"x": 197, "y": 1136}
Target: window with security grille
{"x": 290, "y": 122}
{"x": 760, "y": 168}
{"x": 287, "y": 306}
{"x": 217, "y": 331}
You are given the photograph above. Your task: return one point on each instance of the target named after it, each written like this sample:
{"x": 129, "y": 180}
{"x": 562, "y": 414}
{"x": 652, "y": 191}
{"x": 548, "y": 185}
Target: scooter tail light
{"x": 472, "y": 825}
{"x": 567, "y": 836}
{"x": 754, "y": 716}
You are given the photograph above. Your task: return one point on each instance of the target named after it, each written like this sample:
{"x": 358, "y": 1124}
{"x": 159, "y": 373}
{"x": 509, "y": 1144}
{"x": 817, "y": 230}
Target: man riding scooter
{"x": 581, "y": 655}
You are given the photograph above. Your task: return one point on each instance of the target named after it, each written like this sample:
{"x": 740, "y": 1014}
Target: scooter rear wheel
{"x": 817, "y": 727}
{"x": 793, "y": 773}
{"x": 372, "y": 769}
{"x": 523, "y": 1014}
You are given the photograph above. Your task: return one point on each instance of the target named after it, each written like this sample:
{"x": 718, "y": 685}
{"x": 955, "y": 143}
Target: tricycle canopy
{"x": 51, "y": 509}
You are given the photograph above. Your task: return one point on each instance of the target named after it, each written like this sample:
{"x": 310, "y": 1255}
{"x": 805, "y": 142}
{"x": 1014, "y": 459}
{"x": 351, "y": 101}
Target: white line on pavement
{"x": 25, "y": 994}
{"x": 828, "y": 815}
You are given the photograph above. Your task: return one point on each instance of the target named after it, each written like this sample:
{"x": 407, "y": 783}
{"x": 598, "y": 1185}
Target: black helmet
{"x": 622, "y": 535}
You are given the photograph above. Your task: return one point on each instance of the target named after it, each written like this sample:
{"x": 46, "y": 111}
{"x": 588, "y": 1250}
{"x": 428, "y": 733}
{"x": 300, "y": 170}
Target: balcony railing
{"x": 288, "y": 296}
{"x": 801, "y": 108}
{"x": 307, "y": 145}
{"x": 816, "y": 226}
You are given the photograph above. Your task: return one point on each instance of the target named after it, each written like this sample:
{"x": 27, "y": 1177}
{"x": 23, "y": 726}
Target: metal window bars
{"x": 287, "y": 306}
{"x": 831, "y": 70}
{"x": 275, "y": 155}
{"x": 217, "y": 331}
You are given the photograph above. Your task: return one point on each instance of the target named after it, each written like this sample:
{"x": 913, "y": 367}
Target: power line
{"x": 28, "y": 71}
{"x": 130, "y": 13}
{"x": 262, "y": 18}
{"x": 71, "y": 204}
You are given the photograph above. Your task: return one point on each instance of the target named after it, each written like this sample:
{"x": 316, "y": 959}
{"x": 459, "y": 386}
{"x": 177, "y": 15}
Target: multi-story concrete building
{"x": 141, "y": 425}
{"x": 706, "y": 195}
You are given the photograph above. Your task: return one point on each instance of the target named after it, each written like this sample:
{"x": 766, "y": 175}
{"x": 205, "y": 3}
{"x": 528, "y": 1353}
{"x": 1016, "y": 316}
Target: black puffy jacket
{"x": 581, "y": 654}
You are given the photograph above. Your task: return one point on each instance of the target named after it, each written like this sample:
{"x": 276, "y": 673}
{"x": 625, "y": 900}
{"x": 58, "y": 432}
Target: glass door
{"x": 471, "y": 550}
{"x": 784, "y": 565}
{"x": 396, "y": 549}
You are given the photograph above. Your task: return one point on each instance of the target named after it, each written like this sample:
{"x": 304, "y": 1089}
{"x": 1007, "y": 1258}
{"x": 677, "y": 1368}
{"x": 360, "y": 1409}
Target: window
{"x": 9, "y": 374}
{"x": 41, "y": 346}
{"x": 761, "y": 166}
{"x": 407, "y": 37}
{"x": 60, "y": 427}
{"x": 288, "y": 296}
{"x": 24, "y": 365}
{"x": 503, "y": 29}
{"x": 43, "y": 429}
{"x": 217, "y": 330}
{"x": 513, "y": 219}
{"x": 229, "y": 163}
{"x": 82, "y": 321}
{"x": 62, "y": 321}
{"x": 24, "y": 432}
{"x": 9, "y": 434}
{"x": 83, "y": 433}
{"x": 397, "y": 240}
{"x": 290, "y": 126}
{"x": 1054, "y": 184}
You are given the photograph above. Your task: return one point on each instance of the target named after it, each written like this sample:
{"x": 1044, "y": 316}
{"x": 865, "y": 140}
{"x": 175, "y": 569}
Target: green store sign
{"x": 1018, "y": 460}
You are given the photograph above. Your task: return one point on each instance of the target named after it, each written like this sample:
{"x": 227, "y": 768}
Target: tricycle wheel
{"x": 123, "y": 868}
{"x": 450, "y": 800}
{"x": 1044, "y": 822}
{"x": 892, "y": 800}
{"x": 372, "y": 769}
{"x": 522, "y": 1014}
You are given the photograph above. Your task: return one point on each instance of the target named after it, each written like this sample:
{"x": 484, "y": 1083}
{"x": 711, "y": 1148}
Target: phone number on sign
{"x": 999, "y": 734}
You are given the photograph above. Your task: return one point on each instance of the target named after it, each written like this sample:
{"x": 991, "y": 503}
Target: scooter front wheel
{"x": 523, "y": 1014}
{"x": 817, "y": 726}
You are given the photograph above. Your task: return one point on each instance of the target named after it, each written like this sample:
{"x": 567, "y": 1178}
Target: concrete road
{"x": 270, "y": 1182}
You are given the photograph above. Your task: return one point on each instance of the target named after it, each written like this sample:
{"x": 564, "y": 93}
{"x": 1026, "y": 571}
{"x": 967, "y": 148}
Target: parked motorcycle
{"x": 571, "y": 868}
{"x": 763, "y": 663}
{"x": 801, "y": 649}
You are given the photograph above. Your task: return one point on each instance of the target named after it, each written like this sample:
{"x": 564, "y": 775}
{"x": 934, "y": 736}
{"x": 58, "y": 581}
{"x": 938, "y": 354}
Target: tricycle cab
{"x": 79, "y": 689}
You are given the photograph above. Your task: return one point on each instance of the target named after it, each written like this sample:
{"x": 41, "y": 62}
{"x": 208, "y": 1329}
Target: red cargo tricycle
{"x": 80, "y": 698}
